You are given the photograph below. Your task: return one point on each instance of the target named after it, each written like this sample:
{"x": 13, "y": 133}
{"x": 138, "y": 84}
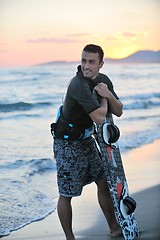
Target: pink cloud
{"x": 52, "y": 40}
{"x": 4, "y": 51}
{"x": 79, "y": 35}
{"x": 3, "y": 43}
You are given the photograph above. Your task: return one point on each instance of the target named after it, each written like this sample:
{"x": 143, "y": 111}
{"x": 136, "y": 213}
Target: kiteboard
{"x": 107, "y": 135}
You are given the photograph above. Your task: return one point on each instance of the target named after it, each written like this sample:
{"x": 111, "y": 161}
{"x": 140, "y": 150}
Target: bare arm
{"x": 115, "y": 105}
{"x": 99, "y": 114}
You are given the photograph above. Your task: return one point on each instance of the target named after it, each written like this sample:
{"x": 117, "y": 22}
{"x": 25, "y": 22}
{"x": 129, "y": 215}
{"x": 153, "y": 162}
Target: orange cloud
{"x": 132, "y": 34}
{"x": 127, "y": 35}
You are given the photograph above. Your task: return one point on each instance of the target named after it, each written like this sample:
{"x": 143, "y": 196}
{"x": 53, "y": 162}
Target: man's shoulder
{"x": 74, "y": 84}
{"x": 105, "y": 79}
{"x": 75, "y": 80}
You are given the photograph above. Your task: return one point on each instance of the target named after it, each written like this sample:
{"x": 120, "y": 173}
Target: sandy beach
{"x": 142, "y": 171}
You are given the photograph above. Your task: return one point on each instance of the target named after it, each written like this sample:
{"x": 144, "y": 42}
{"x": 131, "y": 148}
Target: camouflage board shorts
{"x": 78, "y": 163}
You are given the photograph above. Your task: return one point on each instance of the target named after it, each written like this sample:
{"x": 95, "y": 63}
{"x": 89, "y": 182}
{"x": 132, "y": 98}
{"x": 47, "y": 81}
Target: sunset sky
{"x": 38, "y": 31}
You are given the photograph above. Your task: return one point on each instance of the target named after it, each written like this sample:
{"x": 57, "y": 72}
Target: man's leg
{"x": 64, "y": 209}
{"x": 106, "y": 204}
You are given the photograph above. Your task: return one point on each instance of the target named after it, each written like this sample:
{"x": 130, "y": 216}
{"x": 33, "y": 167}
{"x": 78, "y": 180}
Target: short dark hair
{"x": 94, "y": 49}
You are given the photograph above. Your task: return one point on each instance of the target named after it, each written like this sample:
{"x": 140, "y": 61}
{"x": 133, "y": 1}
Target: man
{"x": 78, "y": 160}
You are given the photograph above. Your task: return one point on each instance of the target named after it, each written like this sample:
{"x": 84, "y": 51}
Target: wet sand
{"x": 142, "y": 171}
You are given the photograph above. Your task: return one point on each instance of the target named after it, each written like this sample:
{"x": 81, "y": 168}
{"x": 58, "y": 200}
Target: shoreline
{"x": 142, "y": 170}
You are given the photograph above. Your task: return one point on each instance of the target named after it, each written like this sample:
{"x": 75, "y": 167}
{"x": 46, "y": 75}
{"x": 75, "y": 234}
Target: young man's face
{"x": 90, "y": 64}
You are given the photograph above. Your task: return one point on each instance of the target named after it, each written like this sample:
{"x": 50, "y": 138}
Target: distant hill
{"x": 146, "y": 56}
{"x": 52, "y": 62}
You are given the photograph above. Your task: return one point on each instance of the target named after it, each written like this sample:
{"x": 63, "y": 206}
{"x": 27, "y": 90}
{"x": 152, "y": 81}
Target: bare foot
{"x": 70, "y": 238}
{"x": 116, "y": 232}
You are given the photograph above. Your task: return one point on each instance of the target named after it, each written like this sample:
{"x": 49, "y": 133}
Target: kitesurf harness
{"x": 66, "y": 130}
{"x": 127, "y": 206}
{"x": 111, "y": 133}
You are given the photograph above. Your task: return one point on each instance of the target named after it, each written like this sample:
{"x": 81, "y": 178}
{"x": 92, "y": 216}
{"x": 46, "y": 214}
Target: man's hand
{"x": 102, "y": 90}
{"x": 115, "y": 106}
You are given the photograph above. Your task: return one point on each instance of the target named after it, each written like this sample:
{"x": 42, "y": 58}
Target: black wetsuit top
{"x": 80, "y": 99}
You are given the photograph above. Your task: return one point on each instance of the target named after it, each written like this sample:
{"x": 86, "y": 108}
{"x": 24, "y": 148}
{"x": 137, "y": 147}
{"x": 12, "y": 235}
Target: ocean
{"x": 29, "y": 101}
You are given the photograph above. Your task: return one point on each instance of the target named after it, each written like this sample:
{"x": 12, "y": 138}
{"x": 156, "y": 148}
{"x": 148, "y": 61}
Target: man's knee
{"x": 65, "y": 198}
